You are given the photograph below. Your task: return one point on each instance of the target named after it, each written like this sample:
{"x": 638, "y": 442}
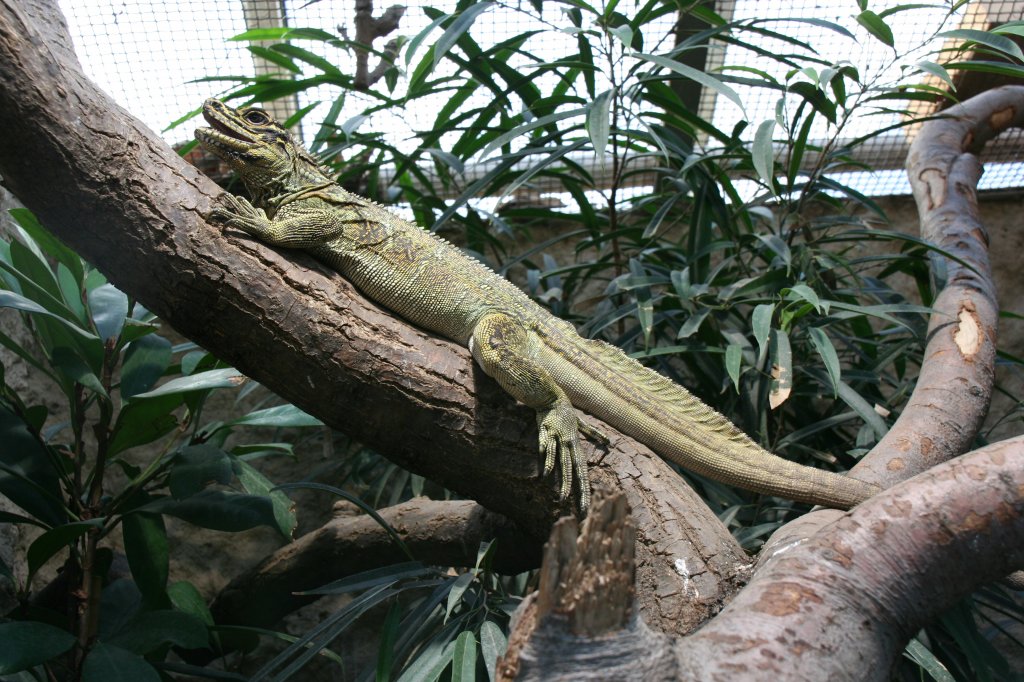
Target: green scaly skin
{"x": 539, "y": 359}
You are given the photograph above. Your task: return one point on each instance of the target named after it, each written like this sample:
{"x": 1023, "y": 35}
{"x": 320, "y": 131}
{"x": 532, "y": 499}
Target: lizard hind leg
{"x": 507, "y": 352}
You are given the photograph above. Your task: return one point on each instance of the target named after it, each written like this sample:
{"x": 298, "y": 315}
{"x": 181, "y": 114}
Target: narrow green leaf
{"x": 27, "y": 644}
{"x": 876, "y": 26}
{"x": 275, "y": 58}
{"x": 145, "y": 545}
{"x": 996, "y": 42}
{"x": 937, "y": 71}
{"x": 386, "y": 575}
{"x": 693, "y": 74}
{"x": 464, "y": 658}
{"x": 204, "y": 381}
{"x": 108, "y": 663}
{"x": 761, "y": 324}
{"x": 386, "y": 649}
{"x": 919, "y": 654}
{"x": 462, "y": 23}
{"x": 462, "y": 583}
{"x": 282, "y": 416}
{"x": 56, "y": 539}
{"x": 733, "y": 360}
{"x": 782, "y": 368}
{"x": 9, "y": 299}
{"x": 598, "y": 116}
{"x": 47, "y": 242}
{"x": 763, "y": 153}
{"x": 506, "y": 137}
{"x": 303, "y": 55}
{"x": 828, "y": 354}
{"x": 493, "y": 643}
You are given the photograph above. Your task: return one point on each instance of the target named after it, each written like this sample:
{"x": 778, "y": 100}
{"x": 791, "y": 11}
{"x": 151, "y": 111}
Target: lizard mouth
{"x": 223, "y": 133}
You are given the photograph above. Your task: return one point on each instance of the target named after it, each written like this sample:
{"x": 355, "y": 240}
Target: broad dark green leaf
{"x": 257, "y": 484}
{"x": 24, "y": 644}
{"x": 218, "y": 510}
{"x": 145, "y": 361}
{"x": 9, "y": 299}
{"x": 109, "y": 307}
{"x": 27, "y": 476}
{"x": 187, "y": 599}
{"x": 108, "y": 663}
{"x": 143, "y": 421}
{"x": 73, "y": 369}
{"x": 56, "y": 539}
{"x": 204, "y": 381}
{"x": 152, "y": 629}
{"x": 196, "y": 467}
{"x": 145, "y": 544}
{"x": 48, "y": 243}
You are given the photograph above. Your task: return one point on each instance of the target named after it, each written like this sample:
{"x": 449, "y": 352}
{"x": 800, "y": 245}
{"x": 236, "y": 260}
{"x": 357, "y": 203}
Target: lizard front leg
{"x": 295, "y": 228}
{"x": 506, "y": 351}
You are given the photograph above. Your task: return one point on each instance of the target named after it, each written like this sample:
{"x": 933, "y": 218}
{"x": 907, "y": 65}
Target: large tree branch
{"x": 115, "y": 192}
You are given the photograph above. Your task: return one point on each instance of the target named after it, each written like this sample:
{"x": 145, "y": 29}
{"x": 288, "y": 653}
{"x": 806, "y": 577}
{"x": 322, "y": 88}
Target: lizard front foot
{"x": 560, "y": 429}
{"x": 234, "y": 211}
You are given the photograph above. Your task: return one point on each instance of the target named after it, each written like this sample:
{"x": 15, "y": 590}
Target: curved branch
{"x": 438, "y": 533}
{"x": 953, "y": 391}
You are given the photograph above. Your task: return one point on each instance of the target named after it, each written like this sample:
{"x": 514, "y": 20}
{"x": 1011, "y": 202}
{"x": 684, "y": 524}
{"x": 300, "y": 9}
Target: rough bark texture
{"x": 115, "y": 192}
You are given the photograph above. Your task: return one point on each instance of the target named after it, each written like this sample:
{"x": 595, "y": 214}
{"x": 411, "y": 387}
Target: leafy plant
{"x": 121, "y": 454}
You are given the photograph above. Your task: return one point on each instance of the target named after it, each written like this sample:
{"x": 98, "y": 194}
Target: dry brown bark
{"x": 116, "y": 193}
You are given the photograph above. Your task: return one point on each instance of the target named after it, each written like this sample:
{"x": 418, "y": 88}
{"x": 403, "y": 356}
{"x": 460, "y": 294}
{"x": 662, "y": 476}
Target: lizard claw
{"x": 559, "y": 429}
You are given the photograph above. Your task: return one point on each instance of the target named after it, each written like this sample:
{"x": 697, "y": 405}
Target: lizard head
{"x": 256, "y": 146}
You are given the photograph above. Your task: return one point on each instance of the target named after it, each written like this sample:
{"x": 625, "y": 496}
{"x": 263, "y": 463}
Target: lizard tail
{"x": 601, "y": 380}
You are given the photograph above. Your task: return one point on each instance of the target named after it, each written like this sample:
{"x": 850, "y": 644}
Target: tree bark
{"x": 112, "y": 190}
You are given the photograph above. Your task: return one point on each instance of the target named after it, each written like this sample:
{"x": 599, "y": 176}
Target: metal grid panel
{"x": 148, "y": 55}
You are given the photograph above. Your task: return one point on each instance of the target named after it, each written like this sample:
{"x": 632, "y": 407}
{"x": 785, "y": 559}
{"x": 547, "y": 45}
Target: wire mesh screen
{"x": 156, "y": 59}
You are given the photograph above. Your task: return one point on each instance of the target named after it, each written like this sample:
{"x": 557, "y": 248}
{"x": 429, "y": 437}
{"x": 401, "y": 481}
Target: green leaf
{"x": 314, "y": 60}
{"x": 197, "y": 466}
{"x": 275, "y": 58}
{"x": 143, "y": 422}
{"x": 27, "y": 474}
{"x": 218, "y": 510}
{"x": 144, "y": 362}
{"x": 108, "y": 663}
{"x": 828, "y": 355}
{"x": 386, "y": 575}
{"x": 598, "y": 114}
{"x": 9, "y": 299}
{"x": 256, "y": 483}
{"x": 27, "y": 644}
{"x": 152, "y": 629}
{"x": 215, "y": 378}
{"x": 187, "y": 599}
{"x": 876, "y": 26}
{"x": 109, "y": 307}
{"x": 996, "y": 42}
{"x": 919, "y": 654}
{"x": 937, "y": 71}
{"x": 145, "y": 544}
{"x": 763, "y": 153}
{"x": 386, "y": 649}
{"x": 693, "y": 74}
{"x": 74, "y": 370}
{"x": 282, "y": 416}
{"x": 782, "y": 369}
{"x": 462, "y": 583}
{"x": 464, "y": 658}
{"x": 733, "y": 360}
{"x": 761, "y": 323}
{"x": 527, "y": 127}
{"x": 461, "y": 24}
{"x": 493, "y": 643}
{"x": 47, "y": 242}
{"x": 56, "y": 539}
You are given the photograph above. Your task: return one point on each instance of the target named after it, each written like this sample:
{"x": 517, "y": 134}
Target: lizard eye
{"x": 257, "y": 117}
